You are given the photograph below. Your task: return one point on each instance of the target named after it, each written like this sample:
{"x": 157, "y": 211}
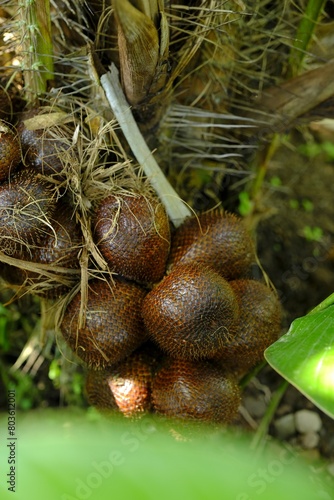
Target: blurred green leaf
{"x": 313, "y": 149}
{"x": 245, "y": 204}
{"x": 4, "y": 340}
{"x": 305, "y": 357}
{"x": 4, "y": 318}
{"x": 275, "y": 181}
{"x": 313, "y": 233}
{"x": 307, "y": 205}
{"x": 63, "y": 456}
{"x": 328, "y": 147}
{"x": 54, "y": 370}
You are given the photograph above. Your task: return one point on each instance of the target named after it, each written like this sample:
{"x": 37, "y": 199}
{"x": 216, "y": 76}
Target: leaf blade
{"x": 305, "y": 357}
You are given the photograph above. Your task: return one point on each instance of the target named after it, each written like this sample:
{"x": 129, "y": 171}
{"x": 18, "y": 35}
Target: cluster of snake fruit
{"x": 179, "y": 319}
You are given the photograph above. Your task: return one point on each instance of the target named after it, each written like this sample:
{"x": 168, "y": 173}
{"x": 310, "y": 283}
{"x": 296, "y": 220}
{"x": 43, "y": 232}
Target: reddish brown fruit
{"x": 190, "y": 312}
{"x": 127, "y": 387}
{"x": 113, "y": 327}
{"x": 40, "y": 149}
{"x": 258, "y": 327}
{"x": 133, "y": 235}
{"x": 195, "y": 390}
{"x": 98, "y": 391}
{"x": 218, "y": 240}
{"x": 26, "y": 205}
{"x": 10, "y": 151}
{"x": 59, "y": 247}
{"x": 63, "y": 243}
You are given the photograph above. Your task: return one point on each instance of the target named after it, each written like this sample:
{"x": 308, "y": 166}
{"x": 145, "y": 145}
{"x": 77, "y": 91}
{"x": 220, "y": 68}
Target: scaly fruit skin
{"x": 190, "y": 312}
{"x": 10, "y": 151}
{"x": 218, "y": 240}
{"x": 64, "y": 241}
{"x": 98, "y": 392}
{"x": 126, "y": 387}
{"x": 26, "y": 205}
{"x": 40, "y": 150}
{"x": 258, "y": 326}
{"x": 59, "y": 247}
{"x": 194, "y": 390}
{"x": 113, "y": 328}
{"x": 133, "y": 235}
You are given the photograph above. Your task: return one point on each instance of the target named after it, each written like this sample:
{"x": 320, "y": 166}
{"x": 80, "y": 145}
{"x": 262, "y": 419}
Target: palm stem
{"x": 37, "y": 46}
{"x": 304, "y": 35}
{"x": 175, "y": 207}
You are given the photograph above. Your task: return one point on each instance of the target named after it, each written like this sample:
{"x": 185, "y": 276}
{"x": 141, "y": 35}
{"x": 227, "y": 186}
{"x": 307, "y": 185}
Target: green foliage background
{"x": 67, "y": 456}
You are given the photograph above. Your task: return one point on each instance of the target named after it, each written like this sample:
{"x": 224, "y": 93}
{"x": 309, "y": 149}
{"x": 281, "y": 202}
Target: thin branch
{"x": 175, "y": 207}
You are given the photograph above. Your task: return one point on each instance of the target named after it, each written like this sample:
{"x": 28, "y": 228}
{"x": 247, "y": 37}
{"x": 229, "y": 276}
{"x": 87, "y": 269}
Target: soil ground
{"x": 295, "y": 247}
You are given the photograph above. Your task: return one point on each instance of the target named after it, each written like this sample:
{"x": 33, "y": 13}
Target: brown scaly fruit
{"x": 26, "y": 205}
{"x": 40, "y": 150}
{"x": 113, "y": 328}
{"x": 98, "y": 391}
{"x": 219, "y": 240}
{"x": 59, "y": 247}
{"x": 126, "y": 387}
{"x": 194, "y": 390}
{"x": 258, "y": 327}
{"x": 10, "y": 151}
{"x": 62, "y": 245}
{"x": 190, "y": 312}
{"x": 133, "y": 235}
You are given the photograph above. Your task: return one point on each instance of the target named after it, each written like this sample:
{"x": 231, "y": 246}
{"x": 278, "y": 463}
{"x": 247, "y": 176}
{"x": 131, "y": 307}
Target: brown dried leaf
{"x": 39, "y": 122}
{"x": 138, "y": 42}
